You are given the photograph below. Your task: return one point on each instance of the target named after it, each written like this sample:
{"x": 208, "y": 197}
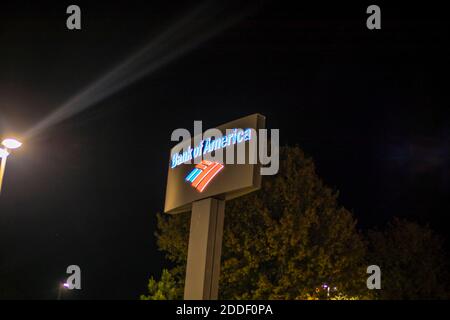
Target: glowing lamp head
{"x": 66, "y": 285}
{"x": 11, "y": 143}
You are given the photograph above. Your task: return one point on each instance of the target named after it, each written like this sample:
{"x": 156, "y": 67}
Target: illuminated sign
{"x": 193, "y": 164}
{"x": 203, "y": 173}
{"x": 208, "y": 146}
{"x": 195, "y": 172}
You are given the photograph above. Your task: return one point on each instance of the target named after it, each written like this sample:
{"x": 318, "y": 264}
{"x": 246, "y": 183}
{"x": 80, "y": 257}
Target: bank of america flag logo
{"x": 203, "y": 173}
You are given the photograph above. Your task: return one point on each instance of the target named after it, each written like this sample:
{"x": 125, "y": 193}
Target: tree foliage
{"x": 281, "y": 242}
{"x": 291, "y": 237}
{"x": 412, "y": 261}
{"x": 165, "y": 289}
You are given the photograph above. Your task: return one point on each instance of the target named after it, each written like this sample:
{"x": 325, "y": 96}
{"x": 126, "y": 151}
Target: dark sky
{"x": 371, "y": 108}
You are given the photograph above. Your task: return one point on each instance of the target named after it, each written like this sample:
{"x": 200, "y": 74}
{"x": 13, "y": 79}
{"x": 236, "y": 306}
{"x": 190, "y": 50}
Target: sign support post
{"x": 204, "y": 250}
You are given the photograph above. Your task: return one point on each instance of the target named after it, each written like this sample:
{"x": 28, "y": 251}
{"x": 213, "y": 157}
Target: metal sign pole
{"x": 204, "y": 250}
{"x": 2, "y": 171}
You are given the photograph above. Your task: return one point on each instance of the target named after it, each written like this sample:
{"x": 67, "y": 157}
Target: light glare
{"x": 11, "y": 143}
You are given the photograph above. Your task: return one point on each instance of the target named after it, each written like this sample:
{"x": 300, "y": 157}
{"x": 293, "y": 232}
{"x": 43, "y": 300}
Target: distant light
{"x": 3, "y": 153}
{"x": 11, "y": 143}
{"x": 66, "y": 285}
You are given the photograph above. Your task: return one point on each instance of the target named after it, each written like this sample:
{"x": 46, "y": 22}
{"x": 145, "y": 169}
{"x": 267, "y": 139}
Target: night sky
{"x": 371, "y": 108}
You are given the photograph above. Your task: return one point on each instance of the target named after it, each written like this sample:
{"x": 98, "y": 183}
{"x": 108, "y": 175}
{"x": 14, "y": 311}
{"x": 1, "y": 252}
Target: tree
{"x": 412, "y": 261}
{"x": 281, "y": 242}
{"x": 165, "y": 289}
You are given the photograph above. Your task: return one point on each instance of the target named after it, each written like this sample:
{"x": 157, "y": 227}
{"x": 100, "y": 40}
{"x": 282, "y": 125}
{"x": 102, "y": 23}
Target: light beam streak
{"x": 196, "y": 27}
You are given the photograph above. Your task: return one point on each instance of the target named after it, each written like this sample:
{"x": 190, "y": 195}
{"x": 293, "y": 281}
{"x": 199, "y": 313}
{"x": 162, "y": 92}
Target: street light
{"x": 11, "y": 143}
{"x": 8, "y": 144}
{"x": 61, "y": 288}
